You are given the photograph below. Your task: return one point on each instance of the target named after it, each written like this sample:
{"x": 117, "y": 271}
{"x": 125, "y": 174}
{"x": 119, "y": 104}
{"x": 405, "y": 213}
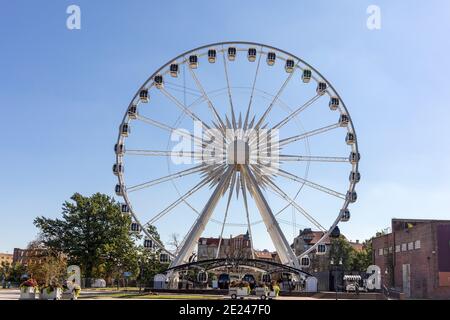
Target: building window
{"x": 385, "y": 251}
{"x": 404, "y": 245}
{"x": 397, "y": 248}
{"x": 417, "y": 244}
{"x": 390, "y": 249}
{"x": 305, "y": 261}
{"x": 321, "y": 249}
{"x": 410, "y": 245}
{"x": 380, "y": 251}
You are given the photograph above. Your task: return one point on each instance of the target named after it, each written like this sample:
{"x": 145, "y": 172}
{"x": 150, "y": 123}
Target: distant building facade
{"x": 6, "y": 258}
{"x": 235, "y": 247}
{"x": 318, "y": 260}
{"x": 232, "y": 247}
{"x": 28, "y": 256}
{"x": 415, "y": 257}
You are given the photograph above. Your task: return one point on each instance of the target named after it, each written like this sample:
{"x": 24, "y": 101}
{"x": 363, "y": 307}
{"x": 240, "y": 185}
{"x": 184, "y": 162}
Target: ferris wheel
{"x": 236, "y": 135}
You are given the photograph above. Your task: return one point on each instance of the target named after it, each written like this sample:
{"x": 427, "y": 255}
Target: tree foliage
{"x": 93, "y": 234}
{"x": 352, "y": 260}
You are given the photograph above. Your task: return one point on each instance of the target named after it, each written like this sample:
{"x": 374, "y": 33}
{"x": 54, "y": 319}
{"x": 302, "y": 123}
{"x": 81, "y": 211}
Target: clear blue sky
{"x": 63, "y": 93}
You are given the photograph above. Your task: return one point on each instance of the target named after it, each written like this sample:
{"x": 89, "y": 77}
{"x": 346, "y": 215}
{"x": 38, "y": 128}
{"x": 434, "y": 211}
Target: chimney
{"x": 357, "y": 241}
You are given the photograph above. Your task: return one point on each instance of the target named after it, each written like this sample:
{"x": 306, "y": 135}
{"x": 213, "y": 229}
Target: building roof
{"x": 215, "y": 241}
{"x": 264, "y": 254}
{"x": 357, "y": 246}
{"x": 210, "y": 241}
{"x": 420, "y": 220}
{"x": 315, "y": 236}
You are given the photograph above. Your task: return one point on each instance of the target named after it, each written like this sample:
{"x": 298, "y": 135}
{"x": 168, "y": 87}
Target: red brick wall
{"x": 424, "y": 273}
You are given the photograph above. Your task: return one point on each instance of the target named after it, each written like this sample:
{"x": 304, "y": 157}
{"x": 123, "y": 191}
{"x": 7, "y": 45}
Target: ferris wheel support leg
{"x": 282, "y": 246}
{"x": 202, "y": 220}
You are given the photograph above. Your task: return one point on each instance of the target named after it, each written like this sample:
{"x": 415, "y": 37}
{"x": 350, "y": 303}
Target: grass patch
{"x": 152, "y": 296}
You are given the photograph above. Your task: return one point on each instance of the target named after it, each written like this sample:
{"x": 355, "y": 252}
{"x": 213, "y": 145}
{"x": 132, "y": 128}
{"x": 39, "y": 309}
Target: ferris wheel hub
{"x": 238, "y": 152}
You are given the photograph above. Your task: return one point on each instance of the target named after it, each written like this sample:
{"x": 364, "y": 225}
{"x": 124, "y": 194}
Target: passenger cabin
{"x": 135, "y": 227}
{"x": 251, "y": 54}
{"x": 336, "y": 233}
{"x": 321, "y": 88}
{"x": 124, "y": 209}
{"x": 163, "y": 258}
{"x": 351, "y": 196}
{"x": 117, "y": 168}
{"x": 334, "y": 103}
{"x": 345, "y": 215}
{"x": 174, "y": 70}
{"x": 143, "y": 96}
{"x": 231, "y": 53}
{"x": 119, "y": 149}
{"x": 355, "y": 176}
{"x": 354, "y": 157}
{"x": 159, "y": 83}
{"x": 125, "y": 130}
{"x": 271, "y": 56}
{"x": 193, "y": 61}
{"x": 118, "y": 190}
{"x": 132, "y": 112}
{"x": 212, "y": 55}
{"x": 289, "y": 66}
{"x": 344, "y": 120}
{"x": 350, "y": 138}
{"x": 306, "y": 75}
{"x": 148, "y": 243}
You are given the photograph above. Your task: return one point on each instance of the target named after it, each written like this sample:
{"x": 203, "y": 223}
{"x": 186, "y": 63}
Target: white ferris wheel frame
{"x": 282, "y": 246}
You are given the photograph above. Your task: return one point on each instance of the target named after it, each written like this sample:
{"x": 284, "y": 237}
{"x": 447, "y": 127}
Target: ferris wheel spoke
{"x": 233, "y": 116}
{"x": 296, "y": 112}
{"x": 170, "y": 129}
{"x": 182, "y": 88}
{"x": 163, "y": 153}
{"x": 310, "y": 184}
{"x": 290, "y": 223}
{"x": 284, "y": 196}
{"x": 181, "y": 91}
{"x": 210, "y": 104}
{"x": 183, "y": 108}
{"x": 308, "y": 134}
{"x": 169, "y": 177}
{"x": 181, "y": 199}
{"x": 280, "y": 91}
{"x": 285, "y": 157}
{"x": 247, "y": 114}
{"x": 230, "y": 195}
{"x": 244, "y": 197}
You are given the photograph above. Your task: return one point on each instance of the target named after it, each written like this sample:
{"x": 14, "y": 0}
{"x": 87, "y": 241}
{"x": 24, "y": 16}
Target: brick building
{"x": 236, "y": 247}
{"x": 28, "y": 256}
{"x": 415, "y": 257}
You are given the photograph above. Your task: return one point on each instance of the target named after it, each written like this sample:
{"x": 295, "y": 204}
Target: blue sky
{"x": 63, "y": 93}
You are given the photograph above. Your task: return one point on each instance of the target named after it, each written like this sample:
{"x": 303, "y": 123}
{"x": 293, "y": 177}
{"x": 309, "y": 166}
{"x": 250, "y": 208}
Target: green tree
{"x": 341, "y": 250}
{"x": 93, "y": 234}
